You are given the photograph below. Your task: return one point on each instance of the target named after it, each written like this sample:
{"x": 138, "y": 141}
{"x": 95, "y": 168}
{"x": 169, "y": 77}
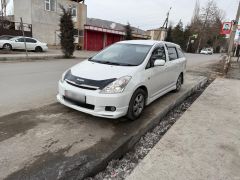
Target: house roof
{"x": 112, "y": 25}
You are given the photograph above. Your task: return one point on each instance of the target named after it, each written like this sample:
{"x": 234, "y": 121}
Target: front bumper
{"x": 98, "y": 100}
{"x": 45, "y": 48}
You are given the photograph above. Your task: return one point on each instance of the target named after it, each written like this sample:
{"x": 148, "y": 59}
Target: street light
{"x": 193, "y": 36}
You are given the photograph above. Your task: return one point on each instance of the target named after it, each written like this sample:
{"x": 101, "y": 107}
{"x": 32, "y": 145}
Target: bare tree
{"x": 207, "y": 25}
{"x": 196, "y": 12}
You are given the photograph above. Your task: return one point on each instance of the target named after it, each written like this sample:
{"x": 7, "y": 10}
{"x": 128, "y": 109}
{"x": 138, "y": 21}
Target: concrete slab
{"x": 234, "y": 70}
{"x": 204, "y": 143}
{"x": 55, "y": 142}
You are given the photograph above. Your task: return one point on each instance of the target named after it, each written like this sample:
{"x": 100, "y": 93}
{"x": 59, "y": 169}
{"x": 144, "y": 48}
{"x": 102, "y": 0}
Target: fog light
{"x": 110, "y": 108}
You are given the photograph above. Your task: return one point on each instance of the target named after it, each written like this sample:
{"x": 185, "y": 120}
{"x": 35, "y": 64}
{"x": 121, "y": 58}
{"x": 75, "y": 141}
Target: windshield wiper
{"x": 94, "y": 60}
{"x": 110, "y": 63}
{"x": 125, "y": 64}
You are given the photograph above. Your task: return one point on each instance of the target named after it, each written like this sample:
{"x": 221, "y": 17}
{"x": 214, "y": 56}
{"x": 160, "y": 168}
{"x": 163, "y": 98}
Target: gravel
{"x": 119, "y": 169}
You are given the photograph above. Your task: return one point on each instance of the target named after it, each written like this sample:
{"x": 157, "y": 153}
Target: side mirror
{"x": 159, "y": 62}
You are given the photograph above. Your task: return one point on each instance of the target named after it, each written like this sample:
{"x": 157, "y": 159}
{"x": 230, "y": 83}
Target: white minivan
{"x": 123, "y": 78}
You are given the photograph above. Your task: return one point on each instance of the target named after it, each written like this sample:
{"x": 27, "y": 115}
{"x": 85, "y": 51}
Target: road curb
{"x": 35, "y": 58}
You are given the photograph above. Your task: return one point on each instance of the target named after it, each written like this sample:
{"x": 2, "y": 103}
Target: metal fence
{"x": 14, "y": 28}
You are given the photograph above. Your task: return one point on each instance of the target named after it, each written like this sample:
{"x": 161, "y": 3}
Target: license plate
{"x": 75, "y": 96}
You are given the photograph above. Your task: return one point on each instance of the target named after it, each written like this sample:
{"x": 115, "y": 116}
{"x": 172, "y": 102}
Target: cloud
{"x": 148, "y": 14}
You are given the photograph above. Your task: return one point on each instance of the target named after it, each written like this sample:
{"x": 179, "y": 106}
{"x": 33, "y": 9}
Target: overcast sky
{"x": 147, "y": 14}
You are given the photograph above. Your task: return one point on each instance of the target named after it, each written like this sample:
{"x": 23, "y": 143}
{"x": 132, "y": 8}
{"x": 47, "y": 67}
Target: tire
{"x": 38, "y": 49}
{"x": 136, "y": 105}
{"x": 179, "y": 83}
{"x": 7, "y": 47}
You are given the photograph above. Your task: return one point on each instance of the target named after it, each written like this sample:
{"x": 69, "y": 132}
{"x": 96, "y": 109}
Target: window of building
{"x": 74, "y": 11}
{"x": 50, "y": 5}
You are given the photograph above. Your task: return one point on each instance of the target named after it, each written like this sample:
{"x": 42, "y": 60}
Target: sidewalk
{"x": 50, "y": 54}
{"x": 204, "y": 143}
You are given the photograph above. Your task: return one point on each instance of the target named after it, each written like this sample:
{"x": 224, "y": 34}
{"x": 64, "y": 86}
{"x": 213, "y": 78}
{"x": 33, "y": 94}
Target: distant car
{"x": 207, "y": 51}
{"x": 124, "y": 78}
{"x": 18, "y": 43}
{"x": 6, "y": 37}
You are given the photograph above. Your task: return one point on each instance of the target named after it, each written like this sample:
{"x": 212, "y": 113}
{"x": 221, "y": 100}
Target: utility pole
{"x": 232, "y": 36}
{"x": 165, "y": 23}
{"x": 2, "y": 9}
{"x": 25, "y": 44}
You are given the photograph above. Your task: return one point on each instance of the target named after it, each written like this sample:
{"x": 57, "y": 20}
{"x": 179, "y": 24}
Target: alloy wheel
{"x": 138, "y": 104}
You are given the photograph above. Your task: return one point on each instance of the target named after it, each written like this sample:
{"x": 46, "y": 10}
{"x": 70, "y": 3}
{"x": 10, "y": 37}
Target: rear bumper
{"x": 98, "y": 100}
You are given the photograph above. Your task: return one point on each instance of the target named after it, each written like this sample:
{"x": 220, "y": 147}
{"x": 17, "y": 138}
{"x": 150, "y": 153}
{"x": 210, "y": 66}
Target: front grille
{"x": 74, "y": 102}
{"x": 82, "y": 86}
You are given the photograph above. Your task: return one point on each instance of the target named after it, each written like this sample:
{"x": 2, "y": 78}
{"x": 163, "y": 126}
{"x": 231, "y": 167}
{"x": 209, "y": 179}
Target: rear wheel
{"x": 7, "y": 47}
{"x": 137, "y": 104}
{"x": 38, "y": 49}
{"x": 179, "y": 83}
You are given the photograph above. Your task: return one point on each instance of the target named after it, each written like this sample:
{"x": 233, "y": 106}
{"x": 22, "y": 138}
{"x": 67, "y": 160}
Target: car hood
{"x": 4, "y": 41}
{"x": 97, "y": 71}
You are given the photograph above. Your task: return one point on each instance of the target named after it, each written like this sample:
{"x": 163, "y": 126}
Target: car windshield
{"x": 13, "y": 39}
{"x": 122, "y": 54}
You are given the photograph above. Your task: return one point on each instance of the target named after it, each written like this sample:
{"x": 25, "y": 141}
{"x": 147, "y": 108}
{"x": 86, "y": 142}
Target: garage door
{"x": 93, "y": 40}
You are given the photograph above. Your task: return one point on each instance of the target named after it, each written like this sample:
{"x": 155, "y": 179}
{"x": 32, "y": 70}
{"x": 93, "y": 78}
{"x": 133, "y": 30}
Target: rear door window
{"x": 29, "y": 40}
{"x": 172, "y": 52}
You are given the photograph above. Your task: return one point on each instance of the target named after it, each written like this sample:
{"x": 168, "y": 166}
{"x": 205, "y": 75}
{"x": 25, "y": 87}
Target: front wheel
{"x": 136, "y": 105}
{"x": 7, "y": 47}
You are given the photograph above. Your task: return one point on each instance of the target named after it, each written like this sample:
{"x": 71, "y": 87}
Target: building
{"x": 159, "y": 34}
{"x": 44, "y": 16}
{"x": 100, "y": 33}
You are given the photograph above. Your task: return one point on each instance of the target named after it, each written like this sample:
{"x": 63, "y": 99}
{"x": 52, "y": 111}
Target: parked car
{"x": 207, "y": 51}
{"x": 6, "y": 37}
{"x": 124, "y": 78}
{"x": 18, "y": 43}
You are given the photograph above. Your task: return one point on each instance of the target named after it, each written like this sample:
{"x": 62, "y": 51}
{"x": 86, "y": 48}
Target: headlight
{"x": 65, "y": 74}
{"x": 117, "y": 86}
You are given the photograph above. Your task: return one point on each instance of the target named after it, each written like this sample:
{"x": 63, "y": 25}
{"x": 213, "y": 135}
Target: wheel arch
{"x": 143, "y": 87}
{"x": 7, "y": 44}
{"x": 40, "y": 48}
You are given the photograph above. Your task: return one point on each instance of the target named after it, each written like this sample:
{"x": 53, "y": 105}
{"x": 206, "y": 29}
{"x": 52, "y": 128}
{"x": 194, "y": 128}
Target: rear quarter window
{"x": 180, "y": 53}
{"x": 172, "y": 52}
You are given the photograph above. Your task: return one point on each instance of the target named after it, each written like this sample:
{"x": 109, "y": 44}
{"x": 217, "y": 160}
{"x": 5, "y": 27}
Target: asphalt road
{"x": 27, "y": 85}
